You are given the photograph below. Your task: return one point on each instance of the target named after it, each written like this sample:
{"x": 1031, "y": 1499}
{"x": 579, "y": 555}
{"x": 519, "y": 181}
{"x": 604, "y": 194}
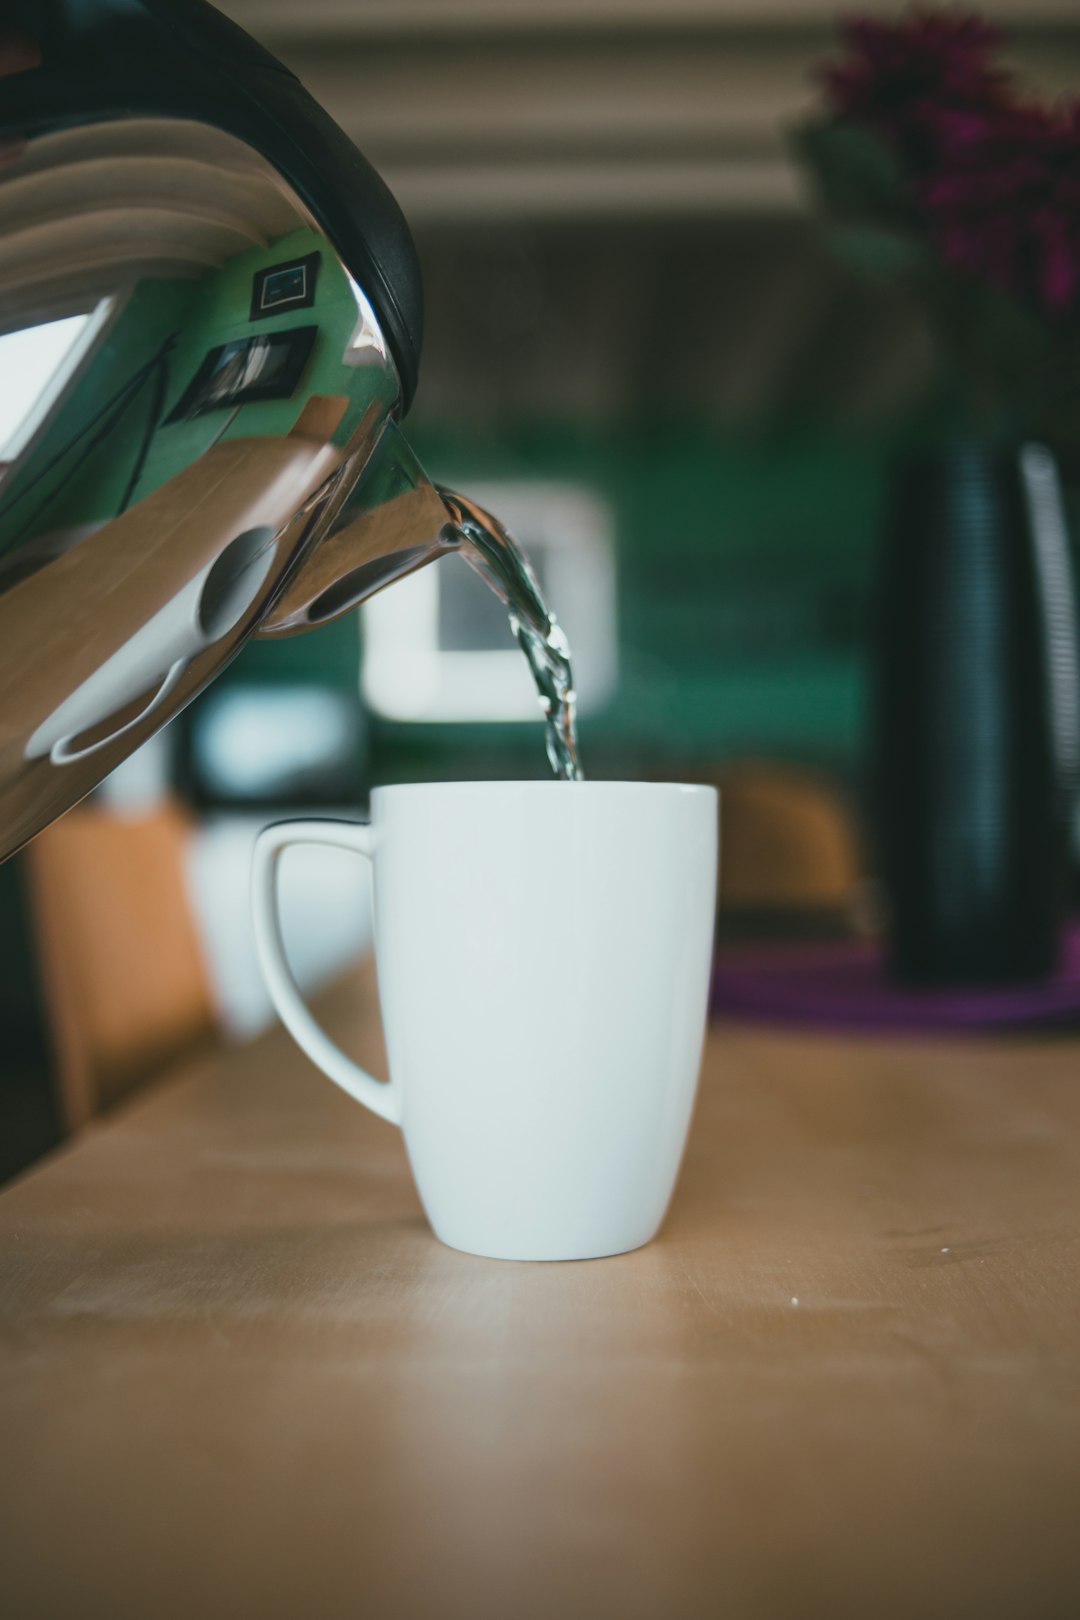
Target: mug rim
{"x": 683, "y": 789}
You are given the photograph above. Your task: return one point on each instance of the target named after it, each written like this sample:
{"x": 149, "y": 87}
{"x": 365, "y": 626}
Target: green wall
{"x": 744, "y": 568}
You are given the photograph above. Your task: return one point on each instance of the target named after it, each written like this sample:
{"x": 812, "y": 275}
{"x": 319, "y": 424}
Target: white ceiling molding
{"x": 507, "y": 109}
{"x": 688, "y": 277}
{"x": 280, "y": 19}
{"x": 513, "y": 192}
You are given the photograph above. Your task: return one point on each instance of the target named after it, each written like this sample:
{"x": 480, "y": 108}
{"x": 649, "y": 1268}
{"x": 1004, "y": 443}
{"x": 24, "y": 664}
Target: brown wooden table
{"x": 240, "y": 1378}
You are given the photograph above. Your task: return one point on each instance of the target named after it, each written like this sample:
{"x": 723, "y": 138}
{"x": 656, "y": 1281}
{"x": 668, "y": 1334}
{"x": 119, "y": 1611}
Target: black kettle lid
{"x": 115, "y": 58}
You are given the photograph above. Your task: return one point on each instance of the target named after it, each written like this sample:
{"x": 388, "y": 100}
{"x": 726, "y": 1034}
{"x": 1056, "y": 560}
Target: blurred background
{"x": 639, "y": 353}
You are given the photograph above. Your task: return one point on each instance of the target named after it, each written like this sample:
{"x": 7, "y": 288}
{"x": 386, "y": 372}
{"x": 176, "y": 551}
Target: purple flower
{"x": 1013, "y": 216}
{"x": 926, "y": 83}
{"x": 993, "y": 179}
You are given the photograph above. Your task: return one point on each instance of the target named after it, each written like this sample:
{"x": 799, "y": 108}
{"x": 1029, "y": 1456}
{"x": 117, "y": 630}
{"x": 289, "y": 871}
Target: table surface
{"x": 239, "y": 1377}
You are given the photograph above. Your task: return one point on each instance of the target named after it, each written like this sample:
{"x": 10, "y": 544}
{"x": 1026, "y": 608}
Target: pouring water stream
{"x": 494, "y": 554}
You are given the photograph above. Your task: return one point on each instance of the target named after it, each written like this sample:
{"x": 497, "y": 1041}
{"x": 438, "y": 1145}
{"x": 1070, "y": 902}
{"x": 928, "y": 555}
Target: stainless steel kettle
{"x": 210, "y": 324}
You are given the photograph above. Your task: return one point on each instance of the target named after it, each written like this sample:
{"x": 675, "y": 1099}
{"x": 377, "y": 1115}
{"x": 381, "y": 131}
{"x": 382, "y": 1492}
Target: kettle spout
{"x": 394, "y": 521}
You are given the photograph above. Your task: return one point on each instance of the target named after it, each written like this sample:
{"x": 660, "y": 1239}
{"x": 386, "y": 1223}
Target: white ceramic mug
{"x": 543, "y": 953}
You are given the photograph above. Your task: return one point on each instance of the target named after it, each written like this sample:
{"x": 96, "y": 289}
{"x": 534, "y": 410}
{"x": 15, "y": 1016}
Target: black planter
{"x": 974, "y": 736}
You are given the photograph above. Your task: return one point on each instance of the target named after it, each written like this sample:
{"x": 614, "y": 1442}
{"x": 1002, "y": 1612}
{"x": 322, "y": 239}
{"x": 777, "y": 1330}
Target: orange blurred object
{"x": 788, "y": 841}
{"x": 123, "y": 978}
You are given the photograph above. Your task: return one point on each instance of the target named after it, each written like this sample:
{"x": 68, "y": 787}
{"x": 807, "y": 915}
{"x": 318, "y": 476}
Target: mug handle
{"x": 381, "y": 1096}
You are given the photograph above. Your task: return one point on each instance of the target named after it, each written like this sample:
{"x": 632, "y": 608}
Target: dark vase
{"x": 974, "y": 733}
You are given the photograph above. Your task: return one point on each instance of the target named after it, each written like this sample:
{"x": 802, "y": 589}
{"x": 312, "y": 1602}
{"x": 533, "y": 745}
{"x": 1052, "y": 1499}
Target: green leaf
{"x": 879, "y": 251}
{"x": 1010, "y": 330}
{"x": 856, "y": 170}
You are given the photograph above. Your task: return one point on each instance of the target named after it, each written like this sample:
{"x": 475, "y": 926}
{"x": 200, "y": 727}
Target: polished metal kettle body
{"x": 210, "y": 324}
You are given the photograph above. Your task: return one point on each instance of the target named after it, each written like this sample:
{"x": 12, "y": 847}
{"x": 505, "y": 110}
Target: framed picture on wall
{"x": 282, "y": 287}
{"x": 267, "y": 366}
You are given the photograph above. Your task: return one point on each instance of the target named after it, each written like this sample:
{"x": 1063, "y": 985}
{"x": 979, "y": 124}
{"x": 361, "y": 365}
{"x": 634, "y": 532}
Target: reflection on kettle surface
{"x": 204, "y": 395}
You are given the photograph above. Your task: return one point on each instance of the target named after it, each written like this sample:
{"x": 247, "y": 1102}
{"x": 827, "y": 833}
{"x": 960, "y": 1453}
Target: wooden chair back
{"x": 789, "y": 841}
{"x": 123, "y": 978}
